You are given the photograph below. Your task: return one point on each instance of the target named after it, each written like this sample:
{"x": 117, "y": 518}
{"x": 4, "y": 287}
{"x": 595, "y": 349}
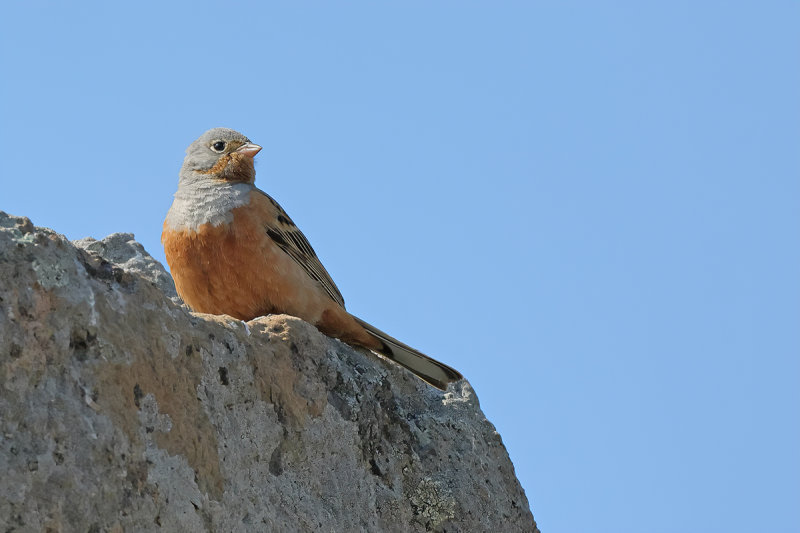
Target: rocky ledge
{"x": 121, "y": 410}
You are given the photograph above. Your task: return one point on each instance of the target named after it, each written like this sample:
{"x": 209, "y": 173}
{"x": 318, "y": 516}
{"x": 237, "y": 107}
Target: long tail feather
{"x": 428, "y": 369}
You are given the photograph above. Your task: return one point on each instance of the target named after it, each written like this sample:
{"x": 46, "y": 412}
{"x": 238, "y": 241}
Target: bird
{"x": 233, "y": 250}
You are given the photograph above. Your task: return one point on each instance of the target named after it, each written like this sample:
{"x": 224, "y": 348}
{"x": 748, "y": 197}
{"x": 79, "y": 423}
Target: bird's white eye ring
{"x": 218, "y": 146}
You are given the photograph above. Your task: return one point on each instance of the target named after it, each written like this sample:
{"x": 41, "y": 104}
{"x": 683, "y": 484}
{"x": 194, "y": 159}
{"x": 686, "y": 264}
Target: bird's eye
{"x": 218, "y": 146}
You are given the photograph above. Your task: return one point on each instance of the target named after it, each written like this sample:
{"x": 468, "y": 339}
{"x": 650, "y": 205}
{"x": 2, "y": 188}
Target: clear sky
{"x": 591, "y": 209}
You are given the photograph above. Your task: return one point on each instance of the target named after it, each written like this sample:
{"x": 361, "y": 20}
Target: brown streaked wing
{"x": 292, "y": 241}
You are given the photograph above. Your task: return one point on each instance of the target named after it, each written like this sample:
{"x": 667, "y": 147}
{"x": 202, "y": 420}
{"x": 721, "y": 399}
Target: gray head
{"x": 220, "y": 154}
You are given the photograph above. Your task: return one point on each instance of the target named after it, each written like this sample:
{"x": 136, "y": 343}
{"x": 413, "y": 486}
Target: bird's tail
{"x": 429, "y": 370}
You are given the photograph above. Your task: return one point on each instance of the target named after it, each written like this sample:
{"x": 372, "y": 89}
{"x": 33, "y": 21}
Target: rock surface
{"x": 121, "y": 410}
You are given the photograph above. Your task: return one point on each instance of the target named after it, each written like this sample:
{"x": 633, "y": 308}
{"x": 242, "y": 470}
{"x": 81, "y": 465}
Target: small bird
{"x": 233, "y": 250}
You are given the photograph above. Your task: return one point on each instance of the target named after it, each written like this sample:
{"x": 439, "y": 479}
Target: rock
{"x": 121, "y": 410}
{"x": 123, "y": 251}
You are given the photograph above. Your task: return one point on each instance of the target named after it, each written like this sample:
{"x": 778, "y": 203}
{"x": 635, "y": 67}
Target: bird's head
{"x": 220, "y": 154}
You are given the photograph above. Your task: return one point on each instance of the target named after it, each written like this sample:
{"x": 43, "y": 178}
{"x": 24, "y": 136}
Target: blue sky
{"x": 591, "y": 209}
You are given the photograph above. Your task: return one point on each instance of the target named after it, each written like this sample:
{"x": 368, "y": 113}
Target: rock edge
{"x": 121, "y": 410}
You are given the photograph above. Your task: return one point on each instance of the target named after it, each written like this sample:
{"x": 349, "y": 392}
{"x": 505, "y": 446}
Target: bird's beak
{"x": 249, "y": 149}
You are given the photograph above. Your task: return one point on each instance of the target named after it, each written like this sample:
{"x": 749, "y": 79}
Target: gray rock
{"x": 123, "y": 251}
{"x": 121, "y": 410}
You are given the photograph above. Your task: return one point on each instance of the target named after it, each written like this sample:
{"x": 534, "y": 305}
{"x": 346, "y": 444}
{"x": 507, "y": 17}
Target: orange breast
{"x": 236, "y": 269}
